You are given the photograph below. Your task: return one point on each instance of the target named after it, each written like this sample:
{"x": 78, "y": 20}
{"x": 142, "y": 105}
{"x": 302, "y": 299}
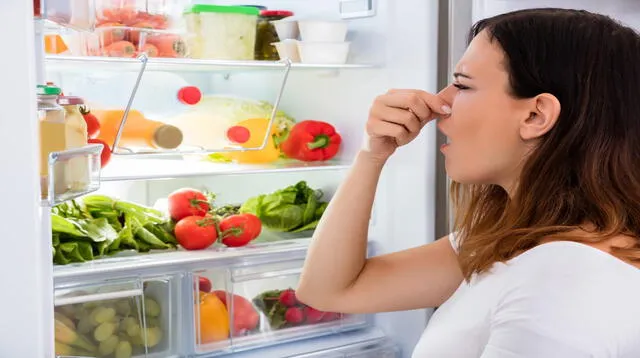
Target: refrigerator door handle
{"x": 354, "y": 9}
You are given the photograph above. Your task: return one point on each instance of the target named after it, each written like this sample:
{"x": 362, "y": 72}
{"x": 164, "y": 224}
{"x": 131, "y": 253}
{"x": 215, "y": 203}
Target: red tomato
{"x": 245, "y": 317}
{"x": 239, "y": 230}
{"x": 105, "y": 156}
{"x": 93, "y": 125}
{"x": 196, "y": 232}
{"x": 204, "y": 285}
{"x": 187, "y": 202}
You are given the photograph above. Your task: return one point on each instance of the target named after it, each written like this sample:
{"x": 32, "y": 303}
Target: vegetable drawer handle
{"x": 63, "y": 301}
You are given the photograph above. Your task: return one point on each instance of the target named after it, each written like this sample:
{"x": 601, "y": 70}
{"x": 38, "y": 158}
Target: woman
{"x": 543, "y": 121}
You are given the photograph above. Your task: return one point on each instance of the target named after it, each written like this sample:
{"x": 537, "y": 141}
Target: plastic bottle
{"x": 160, "y": 94}
{"x": 138, "y": 130}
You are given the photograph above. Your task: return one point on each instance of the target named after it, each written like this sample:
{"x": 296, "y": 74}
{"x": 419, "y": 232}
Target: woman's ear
{"x": 543, "y": 115}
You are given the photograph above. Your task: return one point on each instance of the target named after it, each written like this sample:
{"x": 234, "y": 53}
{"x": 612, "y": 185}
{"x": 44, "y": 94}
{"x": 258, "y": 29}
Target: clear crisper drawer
{"x": 263, "y": 309}
{"x": 117, "y": 319}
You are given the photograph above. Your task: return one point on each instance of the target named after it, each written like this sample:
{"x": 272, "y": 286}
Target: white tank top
{"x": 560, "y": 299}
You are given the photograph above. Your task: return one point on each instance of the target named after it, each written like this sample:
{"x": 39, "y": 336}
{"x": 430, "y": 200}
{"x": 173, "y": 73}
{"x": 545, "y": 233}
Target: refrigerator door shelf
{"x": 71, "y": 174}
{"x": 263, "y": 310}
{"x": 127, "y": 316}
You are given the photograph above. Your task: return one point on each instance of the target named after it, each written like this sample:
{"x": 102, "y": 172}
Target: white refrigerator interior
{"x": 396, "y": 44}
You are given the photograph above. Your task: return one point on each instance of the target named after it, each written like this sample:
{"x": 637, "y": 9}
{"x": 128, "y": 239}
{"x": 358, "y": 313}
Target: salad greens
{"x": 99, "y": 225}
{"x": 295, "y": 208}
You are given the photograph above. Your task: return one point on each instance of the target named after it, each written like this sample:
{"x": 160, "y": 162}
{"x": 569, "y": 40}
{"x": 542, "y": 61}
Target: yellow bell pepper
{"x": 257, "y": 128}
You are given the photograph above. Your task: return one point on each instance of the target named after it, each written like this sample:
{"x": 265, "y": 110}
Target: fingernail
{"x": 446, "y": 109}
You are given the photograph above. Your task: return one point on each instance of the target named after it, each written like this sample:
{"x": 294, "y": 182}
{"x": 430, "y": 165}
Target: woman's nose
{"x": 448, "y": 94}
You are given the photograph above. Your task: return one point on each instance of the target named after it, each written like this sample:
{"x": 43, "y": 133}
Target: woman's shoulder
{"x": 558, "y": 264}
{"x": 571, "y": 293}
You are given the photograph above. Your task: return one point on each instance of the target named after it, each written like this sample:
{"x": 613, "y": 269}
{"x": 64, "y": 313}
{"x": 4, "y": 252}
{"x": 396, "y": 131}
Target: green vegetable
{"x": 166, "y": 236}
{"x": 145, "y": 237}
{"x": 67, "y": 226}
{"x": 292, "y": 209}
{"x": 106, "y": 205}
{"x": 99, "y": 225}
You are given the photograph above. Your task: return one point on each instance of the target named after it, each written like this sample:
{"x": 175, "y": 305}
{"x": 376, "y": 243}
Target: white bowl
{"x": 286, "y": 29}
{"x": 322, "y": 31}
{"x": 288, "y": 49}
{"x": 329, "y": 53}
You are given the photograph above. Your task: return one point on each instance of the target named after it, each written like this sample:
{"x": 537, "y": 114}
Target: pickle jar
{"x": 266, "y": 34}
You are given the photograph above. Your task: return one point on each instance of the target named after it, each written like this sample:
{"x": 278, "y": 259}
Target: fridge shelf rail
{"x": 138, "y": 264}
{"x": 60, "y": 63}
{"x": 59, "y": 186}
{"x": 127, "y": 169}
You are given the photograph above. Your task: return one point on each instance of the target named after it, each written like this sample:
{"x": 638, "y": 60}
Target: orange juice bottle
{"x": 138, "y": 131}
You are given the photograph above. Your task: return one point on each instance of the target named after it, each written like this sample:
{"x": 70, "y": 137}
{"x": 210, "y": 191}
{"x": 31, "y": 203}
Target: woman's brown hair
{"x": 582, "y": 182}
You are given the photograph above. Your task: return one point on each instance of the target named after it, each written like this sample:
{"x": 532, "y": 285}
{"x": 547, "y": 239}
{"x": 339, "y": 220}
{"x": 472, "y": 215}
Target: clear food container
{"x": 121, "y": 28}
{"x": 222, "y": 32}
{"x": 89, "y": 14}
{"x": 262, "y": 308}
{"x": 115, "y": 319}
{"x": 266, "y": 34}
{"x": 122, "y": 41}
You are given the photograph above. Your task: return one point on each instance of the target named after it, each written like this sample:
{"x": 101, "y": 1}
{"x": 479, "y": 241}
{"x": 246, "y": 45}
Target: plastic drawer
{"x": 131, "y": 317}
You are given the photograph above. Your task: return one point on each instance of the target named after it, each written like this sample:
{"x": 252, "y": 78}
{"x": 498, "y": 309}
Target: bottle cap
{"x": 189, "y": 95}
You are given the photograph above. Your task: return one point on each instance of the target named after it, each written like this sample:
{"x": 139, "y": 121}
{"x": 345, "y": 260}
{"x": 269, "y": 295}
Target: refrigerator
{"x": 394, "y": 44}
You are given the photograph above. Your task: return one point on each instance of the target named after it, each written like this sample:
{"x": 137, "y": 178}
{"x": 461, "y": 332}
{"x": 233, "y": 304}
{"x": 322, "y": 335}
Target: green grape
{"x": 123, "y": 307}
{"x": 103, "y": 314}
{"x": 124, "y": 350}
{"x": 85, "y": 325}
{"x": 151, "y": 307}
{"x": 104, "y": 331}
{"x": 108, "y": 346}
{"x": 154, "y": 336}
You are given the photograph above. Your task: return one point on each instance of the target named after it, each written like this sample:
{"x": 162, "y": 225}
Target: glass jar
{"x": 76, "y": 170}
{"x": 266, "y": 34}
{"x": 52, "y": 130}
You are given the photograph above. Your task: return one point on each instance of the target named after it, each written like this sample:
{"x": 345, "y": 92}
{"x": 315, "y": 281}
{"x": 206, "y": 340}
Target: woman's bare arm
{"x": 338, "y": 277}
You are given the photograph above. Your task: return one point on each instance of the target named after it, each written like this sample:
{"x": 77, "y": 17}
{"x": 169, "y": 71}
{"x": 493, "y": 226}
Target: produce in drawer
{"x": 212, "y": 320}
{"x": 110, "y": 328}
{"x": 283, "y": 310}
{"x": 99, "y": 226}
{"x": 295, "y": 208}
{"x": 245, "y": 316}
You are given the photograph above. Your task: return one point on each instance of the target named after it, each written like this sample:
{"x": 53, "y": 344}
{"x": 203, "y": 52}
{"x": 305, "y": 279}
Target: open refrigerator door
{"x": 117, "y": 270}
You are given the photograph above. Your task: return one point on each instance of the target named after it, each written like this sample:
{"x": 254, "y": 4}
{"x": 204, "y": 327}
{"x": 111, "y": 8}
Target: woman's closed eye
{"x": 460, "y": 86}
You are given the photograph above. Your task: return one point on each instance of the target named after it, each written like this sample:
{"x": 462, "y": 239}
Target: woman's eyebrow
{"x": 460, "y": 74}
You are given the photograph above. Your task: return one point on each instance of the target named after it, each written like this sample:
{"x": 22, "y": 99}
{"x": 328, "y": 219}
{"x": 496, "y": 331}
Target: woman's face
{"x": 485, "y": 145}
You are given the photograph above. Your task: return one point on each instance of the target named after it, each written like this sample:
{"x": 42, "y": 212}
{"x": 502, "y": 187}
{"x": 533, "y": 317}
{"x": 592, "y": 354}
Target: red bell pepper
{"x": 311, "y": 141}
